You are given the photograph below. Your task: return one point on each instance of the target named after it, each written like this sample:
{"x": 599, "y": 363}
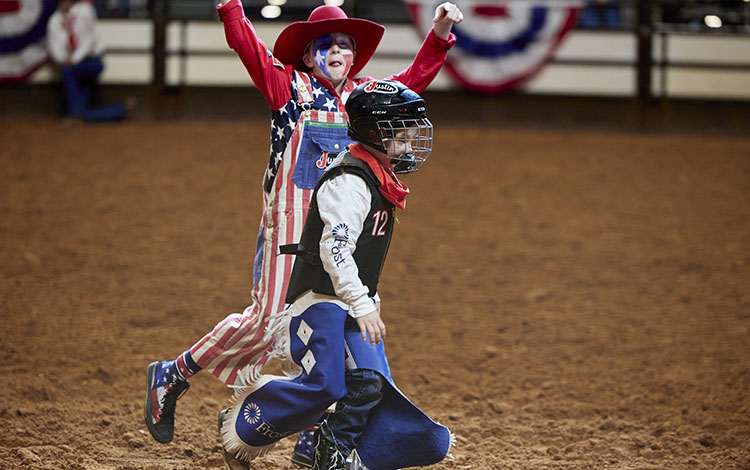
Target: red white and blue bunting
{"x": 501, "y": 44}
{"x": 23, "y": 27}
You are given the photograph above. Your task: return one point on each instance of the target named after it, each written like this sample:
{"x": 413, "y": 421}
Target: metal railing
{"x": 648, "y": 20}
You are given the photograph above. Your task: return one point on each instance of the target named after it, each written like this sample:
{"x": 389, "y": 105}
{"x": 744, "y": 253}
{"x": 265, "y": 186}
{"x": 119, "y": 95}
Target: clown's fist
{"x": 446, "y": 15}
{"x": 448, "y": 12}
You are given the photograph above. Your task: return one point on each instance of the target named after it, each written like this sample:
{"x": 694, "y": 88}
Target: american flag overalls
{"x": 306, "y": 135}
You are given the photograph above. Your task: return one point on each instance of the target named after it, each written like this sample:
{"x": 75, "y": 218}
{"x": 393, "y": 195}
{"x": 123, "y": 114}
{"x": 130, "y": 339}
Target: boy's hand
{"x": 371, "y": 323}
{"x": 446, "y": 15}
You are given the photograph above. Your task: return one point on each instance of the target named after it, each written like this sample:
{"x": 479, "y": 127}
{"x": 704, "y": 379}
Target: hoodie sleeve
{"x": 343, "y": 203}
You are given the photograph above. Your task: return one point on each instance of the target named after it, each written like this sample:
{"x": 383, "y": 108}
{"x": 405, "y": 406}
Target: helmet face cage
{"x": 406, "y": 142}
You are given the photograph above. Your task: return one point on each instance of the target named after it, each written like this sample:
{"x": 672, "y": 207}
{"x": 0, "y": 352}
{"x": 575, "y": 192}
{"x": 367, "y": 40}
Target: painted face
{"x": 333, "y": 55}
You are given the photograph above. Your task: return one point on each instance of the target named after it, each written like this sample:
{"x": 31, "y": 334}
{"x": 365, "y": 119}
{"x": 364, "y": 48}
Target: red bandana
{"x": 390, "y": 187}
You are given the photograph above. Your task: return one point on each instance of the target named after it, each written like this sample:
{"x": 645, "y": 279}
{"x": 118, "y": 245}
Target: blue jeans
{"x": 78, "y": 82}
{"x": 364, "y": 391}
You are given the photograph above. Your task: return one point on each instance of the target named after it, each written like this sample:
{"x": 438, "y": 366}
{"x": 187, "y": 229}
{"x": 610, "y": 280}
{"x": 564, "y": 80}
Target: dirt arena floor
{"x": 560, "y": 300}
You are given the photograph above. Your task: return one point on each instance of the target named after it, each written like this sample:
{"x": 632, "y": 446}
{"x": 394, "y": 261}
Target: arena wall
{"x": 601, "y": 63}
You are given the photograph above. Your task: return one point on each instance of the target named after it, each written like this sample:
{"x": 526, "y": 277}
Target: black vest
{"x": 372, "y": 245}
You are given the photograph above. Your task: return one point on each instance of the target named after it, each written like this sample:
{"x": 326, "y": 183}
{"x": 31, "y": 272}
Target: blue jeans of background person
{"x": 78, "y": 82}
{"x": 364, "y": 391}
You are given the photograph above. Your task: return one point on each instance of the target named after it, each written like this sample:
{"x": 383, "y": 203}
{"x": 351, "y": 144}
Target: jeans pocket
{"x": 320, "y": 144}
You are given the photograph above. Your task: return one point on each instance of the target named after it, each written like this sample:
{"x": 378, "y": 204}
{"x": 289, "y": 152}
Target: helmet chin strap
{"x": 404, "y": 163}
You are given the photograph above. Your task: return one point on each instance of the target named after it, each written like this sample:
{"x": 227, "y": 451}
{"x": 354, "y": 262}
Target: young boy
{"x": 334, "y": 331}
{"x": 389, "y": 123}
{"x": 306, "y": 82}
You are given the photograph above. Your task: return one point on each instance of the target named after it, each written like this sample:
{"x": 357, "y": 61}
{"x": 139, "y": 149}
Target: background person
{"x": 74, "y": 45}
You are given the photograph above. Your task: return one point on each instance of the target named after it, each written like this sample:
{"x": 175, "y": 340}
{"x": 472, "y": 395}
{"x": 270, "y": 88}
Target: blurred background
{"x": 649, "y": 62}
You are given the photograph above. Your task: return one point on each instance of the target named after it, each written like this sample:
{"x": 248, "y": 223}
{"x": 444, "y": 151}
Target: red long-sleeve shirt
{"x": 273, "y": 79}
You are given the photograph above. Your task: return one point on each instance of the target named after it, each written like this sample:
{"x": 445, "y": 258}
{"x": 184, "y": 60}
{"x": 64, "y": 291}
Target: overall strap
{"x": 304, "y": 89}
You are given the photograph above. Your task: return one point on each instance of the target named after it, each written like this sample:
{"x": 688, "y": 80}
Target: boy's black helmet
{"x": 384, "y": 110}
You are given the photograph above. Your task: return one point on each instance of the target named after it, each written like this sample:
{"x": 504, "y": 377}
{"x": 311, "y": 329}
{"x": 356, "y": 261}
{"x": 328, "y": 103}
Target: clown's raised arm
{"x": 434, "y": 50}
{"x": 269, "y": 75}
{"x": 272, "y": 73}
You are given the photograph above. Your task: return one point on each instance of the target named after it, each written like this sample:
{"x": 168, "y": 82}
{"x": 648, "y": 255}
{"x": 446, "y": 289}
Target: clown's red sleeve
{"x": 272, "y": 78}
{"x": 427, "y": 63}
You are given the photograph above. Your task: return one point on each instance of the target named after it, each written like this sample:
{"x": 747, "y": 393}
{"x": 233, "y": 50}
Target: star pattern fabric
{"x": 284, "y": 120}
{"x": 167, "y": 378}
{"x": 330, "y": 104}
{"x": 304, "y": 446}
{"x": 282, "y": 124}
{"x": 324, "y": 99}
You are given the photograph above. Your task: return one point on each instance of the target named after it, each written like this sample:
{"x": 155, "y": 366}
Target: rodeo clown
{"x": 306, "y": 81}
{"x": 333, "y": 330}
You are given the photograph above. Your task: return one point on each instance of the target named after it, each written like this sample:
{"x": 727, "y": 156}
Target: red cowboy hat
{"x": 326, "y": 19}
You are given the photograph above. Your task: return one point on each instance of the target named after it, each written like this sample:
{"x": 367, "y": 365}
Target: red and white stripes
{"x": 239, "y": 340}
{"x": 238, "y": 347}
